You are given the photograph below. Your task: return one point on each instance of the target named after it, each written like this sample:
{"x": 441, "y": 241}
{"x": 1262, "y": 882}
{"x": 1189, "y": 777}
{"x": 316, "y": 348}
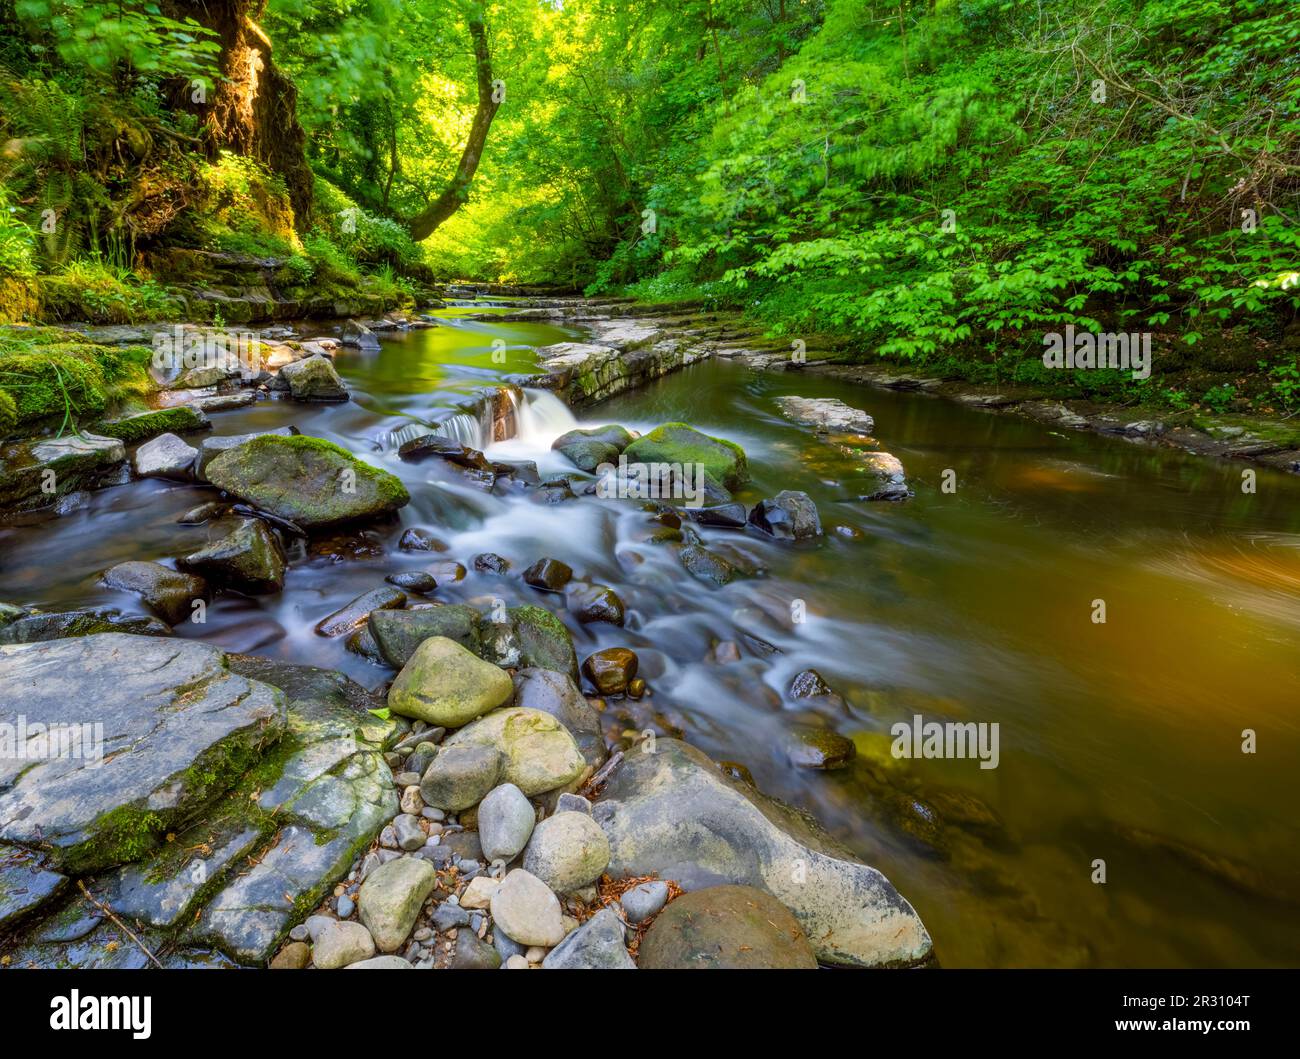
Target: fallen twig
{"x": 122, "y": 926}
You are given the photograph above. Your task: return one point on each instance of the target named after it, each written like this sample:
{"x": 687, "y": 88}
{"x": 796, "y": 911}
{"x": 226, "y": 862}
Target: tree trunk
{"x": 253, "y": 108}
{"x": 456, "y": 193}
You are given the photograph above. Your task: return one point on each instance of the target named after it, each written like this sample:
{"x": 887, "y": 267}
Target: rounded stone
{"x": 445, "y": 684}
{"x": 340, "y": 944}
{"x": 390, "y": 899}
{"x": 459, "y": 776}
{"x": 567, "y": 851}
{"x": 527, "y": 911}
{"x": 505, "y": 822}
{"x": 611, "y": 670}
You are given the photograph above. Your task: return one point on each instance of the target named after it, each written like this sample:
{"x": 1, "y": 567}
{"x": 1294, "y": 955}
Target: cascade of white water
{"x": 538, "y": 417}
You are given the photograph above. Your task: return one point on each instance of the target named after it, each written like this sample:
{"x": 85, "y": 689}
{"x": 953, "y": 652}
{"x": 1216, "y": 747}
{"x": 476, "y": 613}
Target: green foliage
{"x": 1284, "y": 384}
{"x": 102, "y": 38}
{"x": 94, "y": 291}
{"x": 1219, "y": 398}
{"x": 17, "y": 252}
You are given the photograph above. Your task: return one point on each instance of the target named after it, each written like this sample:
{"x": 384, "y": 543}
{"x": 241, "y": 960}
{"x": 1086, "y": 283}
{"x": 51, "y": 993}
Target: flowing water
{"x": 1119, "y": 742}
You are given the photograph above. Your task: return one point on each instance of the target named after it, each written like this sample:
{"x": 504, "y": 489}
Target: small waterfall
{"x": 542, "y": 417}
{"x": 529, "y": 418}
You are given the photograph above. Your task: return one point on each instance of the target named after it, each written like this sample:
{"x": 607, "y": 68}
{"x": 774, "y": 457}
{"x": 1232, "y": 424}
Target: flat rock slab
{"x": 35, "y": 474}
{"x": 25, "y": 884}
{"x": 161, "y": 727}
{"x": 826, "y": 414}
{"x": 671, "y": 812}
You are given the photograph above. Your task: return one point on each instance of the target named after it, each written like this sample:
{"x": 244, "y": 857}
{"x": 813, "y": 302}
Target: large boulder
{"x": 723, "y": 461}
{"x": 557, "y": 694}
{"x": 168, "y": 593}
{"x": 248, "y": 557}
{"x": 671, "y": 812}
{"x": 178, "y": 728}
{"x": 726, "y": 927}
{"x": 589, "y": 448}
{"x": 314, "y": 379}
{"x": 212, "y": 447}
{"x": 311, "y": 482}
{"x": 445, "y": 684}
{"x": 540, "y": 753}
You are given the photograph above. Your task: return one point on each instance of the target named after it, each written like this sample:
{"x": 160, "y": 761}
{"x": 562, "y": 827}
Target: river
{"x": 1119, "y": 742}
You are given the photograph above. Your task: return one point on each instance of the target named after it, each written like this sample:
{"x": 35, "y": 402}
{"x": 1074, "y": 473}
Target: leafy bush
{"x": 93, "y": 291}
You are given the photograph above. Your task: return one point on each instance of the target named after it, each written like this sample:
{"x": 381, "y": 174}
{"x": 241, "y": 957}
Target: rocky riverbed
{"x": 167, "y": 802}
{"x": 393, "y": 668}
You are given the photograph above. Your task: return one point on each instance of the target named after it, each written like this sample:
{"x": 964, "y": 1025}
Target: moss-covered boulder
{"x": 722, "y": 460}
{"x": 8, "y": 415}
{"x": 150, "y": 424}
{"x": 48, "y": 372}
{"x": 589, "y": 448}
{"x": 445, "y": 684}
{"x": 398, "y": 633}
{"x": 311, "y": 482}
{"x": 544, "y": 642}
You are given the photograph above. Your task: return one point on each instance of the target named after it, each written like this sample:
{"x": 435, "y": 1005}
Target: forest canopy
{"x": 927, "y": 176}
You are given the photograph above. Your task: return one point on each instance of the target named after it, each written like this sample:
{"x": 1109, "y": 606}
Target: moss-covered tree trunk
{"x": 252, "y": 110}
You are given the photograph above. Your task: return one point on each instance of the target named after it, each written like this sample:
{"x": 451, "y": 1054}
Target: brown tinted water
{"x": 1119, "y": 742}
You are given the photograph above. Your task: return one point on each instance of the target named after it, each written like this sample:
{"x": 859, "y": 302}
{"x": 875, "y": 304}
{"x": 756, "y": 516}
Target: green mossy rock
{"x": 445, "y": 684}
{"x": 722, "y": 460}
{"x": 540, "y": 753}
{"x": 398, "y": 633}
{"x": 544, "y": 642}
{"x": 311, "y": 482}
{"x": 588, "y": 449}
{"x": 150, "y": 424}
